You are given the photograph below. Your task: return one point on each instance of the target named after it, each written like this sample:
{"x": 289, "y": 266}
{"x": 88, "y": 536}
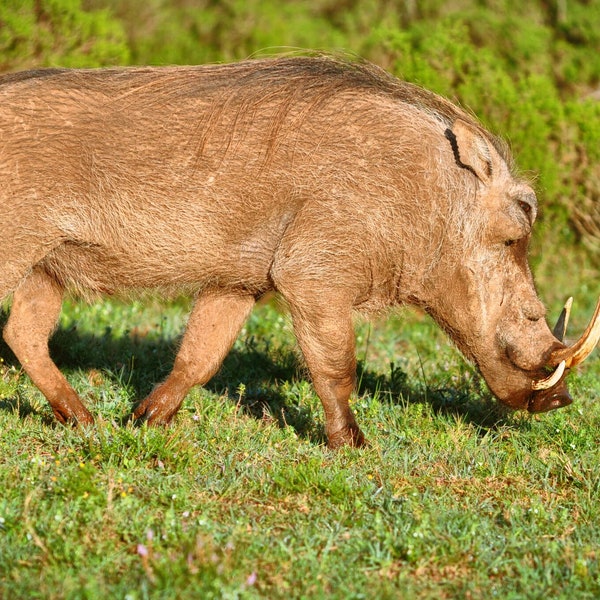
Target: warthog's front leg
{"x": 35, "y": 309}
{"x": 213, "y": 326}
{"x": 326, "y": 336}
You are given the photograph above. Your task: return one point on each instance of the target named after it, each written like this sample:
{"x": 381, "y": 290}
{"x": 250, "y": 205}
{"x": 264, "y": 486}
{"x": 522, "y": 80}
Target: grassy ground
{"x": 240, "y": 499}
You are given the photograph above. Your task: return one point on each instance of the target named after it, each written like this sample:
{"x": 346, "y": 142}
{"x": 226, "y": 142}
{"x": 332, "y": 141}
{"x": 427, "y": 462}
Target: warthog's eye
{"x": 525, "y": 207}
{"x": 528, "y": 204}
{"x": 510, "y": 242}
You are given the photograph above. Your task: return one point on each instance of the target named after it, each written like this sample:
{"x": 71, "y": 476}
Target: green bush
{"x": 181, "y": 32}
{"x": 58, "y": 33}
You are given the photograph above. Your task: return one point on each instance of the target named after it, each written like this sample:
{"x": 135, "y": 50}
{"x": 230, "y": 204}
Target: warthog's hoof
{"x": 157, "y": 409}
{"x": 349, "y": 436}
{"x": 71, "y": 411}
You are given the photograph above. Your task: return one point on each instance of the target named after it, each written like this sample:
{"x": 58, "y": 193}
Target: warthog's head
{"x": 481, "y": 289}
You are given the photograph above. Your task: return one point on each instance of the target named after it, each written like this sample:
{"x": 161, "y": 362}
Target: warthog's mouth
{"x": 551, "y": 392}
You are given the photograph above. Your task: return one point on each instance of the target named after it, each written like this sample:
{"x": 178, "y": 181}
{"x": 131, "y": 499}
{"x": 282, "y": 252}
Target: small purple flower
{"x": 142, "y": 550}
{"x": 251, "y": 578}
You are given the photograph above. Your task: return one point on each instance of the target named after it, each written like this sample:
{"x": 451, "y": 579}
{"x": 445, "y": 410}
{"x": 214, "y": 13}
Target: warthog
{"x": 323, "y": 179}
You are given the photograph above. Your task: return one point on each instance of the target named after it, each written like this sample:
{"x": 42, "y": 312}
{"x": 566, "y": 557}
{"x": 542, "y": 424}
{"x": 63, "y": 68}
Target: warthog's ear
{"x": 471, "y": 150}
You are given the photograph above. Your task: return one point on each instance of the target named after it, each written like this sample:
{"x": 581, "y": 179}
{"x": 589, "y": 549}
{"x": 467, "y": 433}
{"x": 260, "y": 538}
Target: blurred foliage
{"x": 39, "y": 33}
{"x": 530, "y": 71}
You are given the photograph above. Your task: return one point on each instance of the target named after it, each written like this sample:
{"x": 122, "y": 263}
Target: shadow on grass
{"x": 469, "y": 401}
{"x": 24, "y": 408}
{"x": 254, "y": 377}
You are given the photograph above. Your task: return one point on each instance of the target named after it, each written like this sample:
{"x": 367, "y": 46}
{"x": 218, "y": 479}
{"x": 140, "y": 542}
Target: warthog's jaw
{"x": 551, "y": 392}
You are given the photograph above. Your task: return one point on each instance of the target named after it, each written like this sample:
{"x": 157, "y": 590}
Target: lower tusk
{"x": 553, "y": 379}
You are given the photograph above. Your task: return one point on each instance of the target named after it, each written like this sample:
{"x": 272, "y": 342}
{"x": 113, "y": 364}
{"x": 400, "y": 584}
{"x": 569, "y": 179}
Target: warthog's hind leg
{"x": 35, "y": 309}
{"x": 213, "y": 326}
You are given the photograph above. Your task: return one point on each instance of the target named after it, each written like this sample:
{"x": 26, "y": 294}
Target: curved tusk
{"x": 553, "y": 379}
{"x": 563, "y": 320}
{"x": 582, "y": 348}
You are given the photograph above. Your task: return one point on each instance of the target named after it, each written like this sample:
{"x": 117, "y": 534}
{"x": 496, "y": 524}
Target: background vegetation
{"x": 239, "y": 499}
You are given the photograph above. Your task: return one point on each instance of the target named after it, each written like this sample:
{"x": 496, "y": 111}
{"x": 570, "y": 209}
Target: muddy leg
{"x": 35, "y": 309}
{"x": 212, "y": 329}
{"x": 326, "y": 336}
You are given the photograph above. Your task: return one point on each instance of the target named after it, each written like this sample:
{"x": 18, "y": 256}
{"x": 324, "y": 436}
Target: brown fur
{"x": 326, "y": 180}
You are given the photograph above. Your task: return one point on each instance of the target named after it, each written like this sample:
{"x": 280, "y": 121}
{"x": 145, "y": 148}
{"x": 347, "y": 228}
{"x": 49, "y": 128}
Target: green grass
{"x": 240, "y": 498}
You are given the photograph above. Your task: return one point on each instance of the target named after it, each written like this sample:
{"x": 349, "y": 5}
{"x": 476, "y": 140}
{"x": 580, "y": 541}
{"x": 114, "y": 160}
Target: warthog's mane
{"x": 323, "y": 76}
